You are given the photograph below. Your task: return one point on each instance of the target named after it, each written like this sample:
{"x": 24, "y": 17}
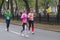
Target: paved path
{"x": 14, "y": 34}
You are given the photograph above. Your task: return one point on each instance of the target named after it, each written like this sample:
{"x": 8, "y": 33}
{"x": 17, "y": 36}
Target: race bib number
{"x": 8, "y": 18}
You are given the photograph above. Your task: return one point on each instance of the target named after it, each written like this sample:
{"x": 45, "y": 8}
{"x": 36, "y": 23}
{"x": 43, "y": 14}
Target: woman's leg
{"x": 23, "y": 27}
{"x": 32, "y": 26}
{"x": 25, "y": 31}
{"x": 29, "y": 25}
{"x": 8, "y": 22}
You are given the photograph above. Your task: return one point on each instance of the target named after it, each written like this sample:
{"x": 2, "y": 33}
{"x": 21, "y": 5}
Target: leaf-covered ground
{"x": 38, "y": 25}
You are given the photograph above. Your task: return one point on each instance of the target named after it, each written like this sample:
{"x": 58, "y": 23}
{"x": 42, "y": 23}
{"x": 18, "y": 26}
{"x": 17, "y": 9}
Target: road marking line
{"x": 13, "y": 32}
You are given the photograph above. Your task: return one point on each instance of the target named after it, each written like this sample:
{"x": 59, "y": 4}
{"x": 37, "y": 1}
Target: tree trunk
{"x": 1, "y": 5}
{"x": 11, "y": 3}
{"x": 8, "y": 4}
{"x": 58, "y": 15}
{"x": 16, "y": 6}
{"x": 16, "y": 10}
{"x": 27, "y": 5}
{"x": 37, "y": 11}
{"x": 36, "y": 5}
{"x": 1, "y": 8}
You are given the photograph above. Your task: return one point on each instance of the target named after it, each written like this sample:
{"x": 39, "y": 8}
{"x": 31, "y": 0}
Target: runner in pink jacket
{"x": 24, "y": 20}
{"x": 24, "y": 23}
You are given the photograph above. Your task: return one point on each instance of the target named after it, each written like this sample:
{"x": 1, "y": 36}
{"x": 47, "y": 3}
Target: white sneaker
{"x": 32, "y": 32}
{"x": 26, "y": 36}
{"x": 22, "y": 34}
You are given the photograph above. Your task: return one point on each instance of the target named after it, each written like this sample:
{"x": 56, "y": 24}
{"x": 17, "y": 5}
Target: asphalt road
{"x": 15, "y": 34}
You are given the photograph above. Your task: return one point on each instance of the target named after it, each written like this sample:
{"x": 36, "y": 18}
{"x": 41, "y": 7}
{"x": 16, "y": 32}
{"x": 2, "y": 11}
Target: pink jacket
{"x": 24, "y": 18}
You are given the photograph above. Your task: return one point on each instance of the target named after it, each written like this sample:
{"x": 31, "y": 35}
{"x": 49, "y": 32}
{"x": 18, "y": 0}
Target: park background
{"x": 42, "y": 19}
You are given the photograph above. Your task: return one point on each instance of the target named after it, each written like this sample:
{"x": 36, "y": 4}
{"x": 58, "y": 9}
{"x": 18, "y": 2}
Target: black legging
{"x": 23, "y": 26}
{"x": 31, "y": 23}
{"x": 7, "y": 22}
